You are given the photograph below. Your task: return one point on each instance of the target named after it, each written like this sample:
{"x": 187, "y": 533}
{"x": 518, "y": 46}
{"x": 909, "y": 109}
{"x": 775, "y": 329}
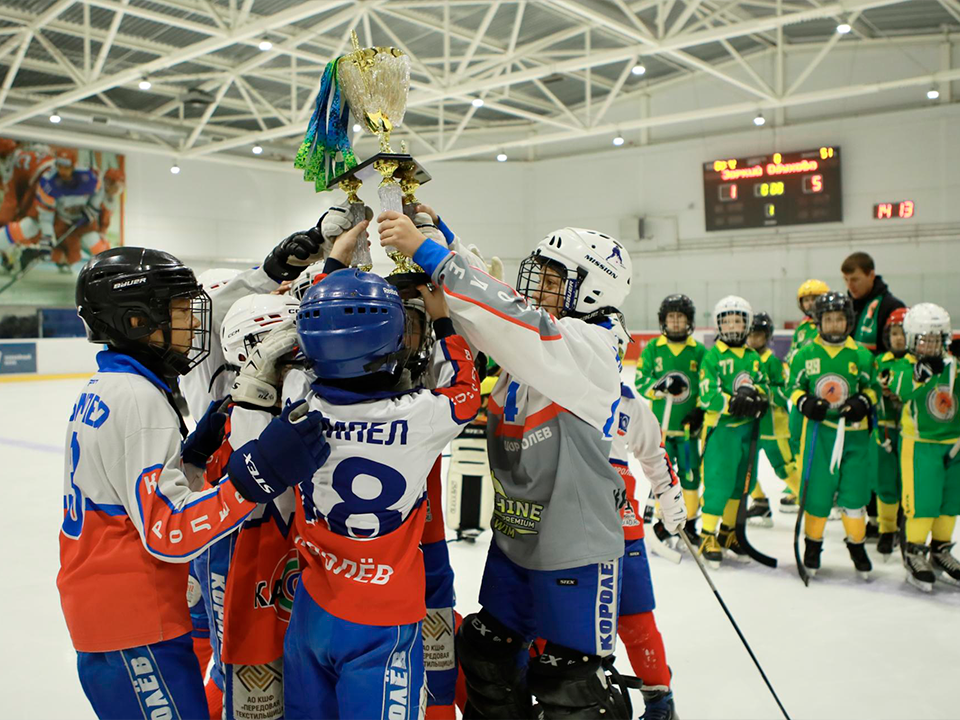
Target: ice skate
{"x": 919, "y": 571}
{"x": 759, "y": 513}
{"x": 945, "y": 565}
{"x": 789, "y": 504}
{"x": 811, "y": 555}
{"x": 658, "y": 704}
{"x": 858, "y": 553}
{"x": 727, "y": 538}
{"x": 885, "y": 545}
{"x": 710, "y": 549}
{"x": 690, "y": 528}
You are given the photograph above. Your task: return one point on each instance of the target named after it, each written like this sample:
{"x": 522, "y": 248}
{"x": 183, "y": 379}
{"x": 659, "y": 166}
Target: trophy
{"x": 375, "y": 83}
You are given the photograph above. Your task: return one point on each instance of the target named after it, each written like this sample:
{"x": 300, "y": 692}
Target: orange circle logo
{"x": 941, "y": 405}
{"x": 832, "y": 388}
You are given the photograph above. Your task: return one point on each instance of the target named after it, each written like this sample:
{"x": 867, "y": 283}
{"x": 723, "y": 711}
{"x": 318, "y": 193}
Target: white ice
{"x": 842, "y": 648}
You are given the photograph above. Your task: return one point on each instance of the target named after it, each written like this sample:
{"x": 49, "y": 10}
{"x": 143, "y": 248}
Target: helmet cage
{"x": 533, "y": 270}
{"x": 834, "y": 302}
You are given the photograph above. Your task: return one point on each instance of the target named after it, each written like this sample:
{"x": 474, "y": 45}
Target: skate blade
{"x": 789, "y": 509}
{"x": 764, "y": 522}
{"x": 742, "y": 559}
{"x": 864, "y": 574}
{"x": 812, "y": 572}
{"x": 886, "y": 557}
{"x": 713, "y": 564}
{"x": 944, "y": 577}
{"x": 923, "y": 586}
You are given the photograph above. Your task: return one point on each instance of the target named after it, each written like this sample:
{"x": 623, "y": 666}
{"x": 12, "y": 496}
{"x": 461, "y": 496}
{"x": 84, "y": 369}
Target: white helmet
{"x": 926, "y": 319}
{"x": 216, "y": 278}
{"x": 249, "y": 319}
{"x": 305, "y": 279}
{"x": 733, "y": 305}
{"x": 598, "y": 269}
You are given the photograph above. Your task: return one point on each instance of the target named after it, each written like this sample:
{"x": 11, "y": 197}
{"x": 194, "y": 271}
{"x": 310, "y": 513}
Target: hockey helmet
{"x": 733, "y": 305}
{"x": 810, "y": 288}
{"x": 927, "y": 327}
{"x": 677, "y": 303}
{"x": 249, "y": 319}
{"x": 216, "y": 278}
{"x": 299, "y": 287}
{"x": 834, "y": 302}
{"x": 124, "y": 283}
{"x": 895, "y": 319}
{"x": 350, "y": 324}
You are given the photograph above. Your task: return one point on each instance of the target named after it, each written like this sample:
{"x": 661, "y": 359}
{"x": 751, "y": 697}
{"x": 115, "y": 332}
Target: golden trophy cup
{"x": 375, "y": 82}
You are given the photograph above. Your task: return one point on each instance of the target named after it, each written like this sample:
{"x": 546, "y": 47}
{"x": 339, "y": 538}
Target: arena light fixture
{"x": 145, "y": 84}
{"x": 618, "y": 140}
{"x": 55, "y": 117}
{"x": 759, "y": 120}
{"x": 257, "y": 149}
{"x": 933, "y": 94}
{"x": 502, "y": 157}
{"x": 265, "y": 45}
{"x": 174, "y": 169}
{"x": 477, "y": 102}
{"x": 639, "y": 68}
{"x": 844, "y": 27}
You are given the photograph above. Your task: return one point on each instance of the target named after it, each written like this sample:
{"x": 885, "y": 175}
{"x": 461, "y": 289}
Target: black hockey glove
{"x": 288, "y": 259}
{"x": 694, "y": 420}
{"x": 927, "y": 368}
{"x": 672, "y": 384}
{"x": 856, "y": 408}
{"x": 741, "y": 402}
{"x": 204, "y": 441}
{"x": 813, "y": 408}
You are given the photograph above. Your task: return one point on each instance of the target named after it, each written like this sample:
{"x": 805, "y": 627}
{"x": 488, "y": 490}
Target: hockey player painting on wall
{"x": 59, "y": 206}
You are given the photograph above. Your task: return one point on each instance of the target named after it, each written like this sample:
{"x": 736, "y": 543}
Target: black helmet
{"x": 681, "y": 304}
{"x": 834, "y": 302}
{"x": 126, "y": 282}
{"x": 762, "y": 322}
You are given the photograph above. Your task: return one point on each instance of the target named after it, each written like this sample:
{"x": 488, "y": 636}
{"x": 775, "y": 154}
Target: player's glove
{"x": 927, "y": 368}
{"x": 856, "y": 408}
{"x": 207, "y": 437}
{"x": 258, "y": 379}
{"x": 812, "y": 407}
{"x": 288, "y": 259}
{"x": 694, "y": 420}
{"x": 672, "y": 384}
{"x": 747, "y": 402}
{"x": 425, "y": 225}
{"x": 673, "y": 510}
{"x": 289, "y": 450}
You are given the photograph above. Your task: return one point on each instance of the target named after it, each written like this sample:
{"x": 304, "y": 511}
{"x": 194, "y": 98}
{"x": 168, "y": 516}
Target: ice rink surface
{"x": 842, "y": 648}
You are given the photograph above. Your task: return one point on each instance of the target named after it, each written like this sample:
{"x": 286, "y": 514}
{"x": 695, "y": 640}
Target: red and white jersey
{"x": 361, "y": 517}
{"x": 638, "y": 434}
{"x": 75, "y": 201}
{"x": 20, "y": 176}
{"x": 134, "y": 515}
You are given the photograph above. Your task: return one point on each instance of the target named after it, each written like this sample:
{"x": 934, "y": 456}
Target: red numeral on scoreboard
{"x": 812, "y": 184}
{"x": 884, "y": 210}
{"x": 906, "y": 209}
{"x": 728, "y": 192}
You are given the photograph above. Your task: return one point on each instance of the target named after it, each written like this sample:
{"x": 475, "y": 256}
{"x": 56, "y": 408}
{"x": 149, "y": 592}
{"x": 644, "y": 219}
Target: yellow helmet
{"x": 810, "y": 288}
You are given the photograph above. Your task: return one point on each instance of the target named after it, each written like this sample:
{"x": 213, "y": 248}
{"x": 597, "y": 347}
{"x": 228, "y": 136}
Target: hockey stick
{"x": 17, "y": 276}
{"x": 741, "y": 526}
{"x": 804, "y": 485}
{"x": 657, "y": 546}
{"x": 716, "y": 594}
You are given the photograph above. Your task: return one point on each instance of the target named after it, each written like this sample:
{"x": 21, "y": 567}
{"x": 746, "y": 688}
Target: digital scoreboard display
{"x": 791, "y": 188}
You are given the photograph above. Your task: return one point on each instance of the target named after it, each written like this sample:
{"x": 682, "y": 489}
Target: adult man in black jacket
{"x": 872, "y": 300}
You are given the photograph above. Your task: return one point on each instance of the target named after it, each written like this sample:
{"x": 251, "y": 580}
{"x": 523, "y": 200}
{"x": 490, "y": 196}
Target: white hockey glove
{"x": 424, "y": 224}
{"x": 672, "y": 508}
{"x": 494, "y": 268}
{"x": 258, "y": 379}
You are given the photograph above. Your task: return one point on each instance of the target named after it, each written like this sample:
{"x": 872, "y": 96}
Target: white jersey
{"x": 211, "y": 379}
{"x": 131, "y": 508}
{"x": 638, "y": 434}
{"x": 361, "y": 516}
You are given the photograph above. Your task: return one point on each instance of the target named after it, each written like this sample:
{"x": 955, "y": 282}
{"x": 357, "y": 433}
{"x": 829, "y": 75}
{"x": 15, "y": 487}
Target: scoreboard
{"x": 791, "y": 188}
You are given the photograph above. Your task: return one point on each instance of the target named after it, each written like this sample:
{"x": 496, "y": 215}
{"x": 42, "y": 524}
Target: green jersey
{"x": 660, "y": 358}
{"x": 929, "y": 409}
{"x": 725, "y": 370}
{"x": 834, "y": 373}
{"x": 889, "y": 409}
{"x": 803, "y": 335}
{"x": 775, "y": 376}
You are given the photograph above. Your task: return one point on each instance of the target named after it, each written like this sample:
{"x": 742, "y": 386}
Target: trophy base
{"x": 407, "y": 283}
{"x": 365, "y": 171}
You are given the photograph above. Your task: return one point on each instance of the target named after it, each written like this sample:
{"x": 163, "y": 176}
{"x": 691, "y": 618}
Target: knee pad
{"x": 854, "y": 512}
{"x": 487, "y": 651}
{"x": 571, "y": 684}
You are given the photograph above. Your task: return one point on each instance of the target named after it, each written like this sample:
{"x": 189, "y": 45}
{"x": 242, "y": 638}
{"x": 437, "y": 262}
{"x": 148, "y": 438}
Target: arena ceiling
{"x": 215, "y": 78}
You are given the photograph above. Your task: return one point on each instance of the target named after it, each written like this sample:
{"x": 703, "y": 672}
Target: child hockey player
{"x": 354, "y": 646}
{"x": 930, "y": 436}
{"x": 886, "y": 435}
{"x": 670, "y": 366}
{"x": 733, "y": 394}
{"x": 554, "y": 568}
{"x": 833, "y": 388}
{"x": 774, "y": 426}
{"x": 638, "y": 434}
{"x": 131, "y": 520}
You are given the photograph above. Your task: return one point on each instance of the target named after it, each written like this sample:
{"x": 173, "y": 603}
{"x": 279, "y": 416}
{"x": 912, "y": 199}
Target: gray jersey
{"x": 550, "y": 421}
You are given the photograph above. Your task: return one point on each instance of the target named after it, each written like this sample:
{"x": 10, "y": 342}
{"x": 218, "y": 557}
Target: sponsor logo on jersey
{"x": 941, "y": 405}
{"x": 258, "y": 677}
{"x": 193, "y": 591}
{"x": 256, "y": 691}
{"x": 629, "y": 518}
{"x": 513, "y": 516}
{"x": 812, "y": 366}
{"x": 606, "y": 607}
{"x": 742, "y": 379}
{"x": 685, "y": 395}
{"x": 832, "y": 388}
{"x": 438, "y": 644}
{"x": 278, "y": 591}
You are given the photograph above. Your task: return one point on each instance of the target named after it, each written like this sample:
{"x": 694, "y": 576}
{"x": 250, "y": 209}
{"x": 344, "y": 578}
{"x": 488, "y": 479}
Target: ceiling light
{"x": 265, "y": 45}
{"x": 759, "y": 120}
{"x": 55, "y": 117}
{"x": 357, "y": 128}
{"x": 257, "y": 149}
{"x": 175, "y": 169}
{"x": 145, "y": 84}
{"x": 638, "y": 69}
{"x": 933, "y": 94}
{"x": 502, "y": 157}
{"x": 477, "y": 102}
{"x": 618, "y": 140}
{"x": 843, "y": 28}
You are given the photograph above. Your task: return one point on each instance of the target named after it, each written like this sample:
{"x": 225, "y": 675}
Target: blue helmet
{"x": 351, "y": 324}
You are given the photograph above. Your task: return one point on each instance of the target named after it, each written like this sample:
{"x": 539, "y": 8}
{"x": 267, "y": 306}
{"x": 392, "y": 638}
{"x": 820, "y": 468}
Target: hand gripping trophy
{"x": 372, "y": 84}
